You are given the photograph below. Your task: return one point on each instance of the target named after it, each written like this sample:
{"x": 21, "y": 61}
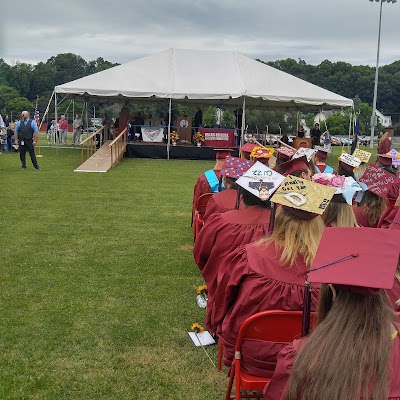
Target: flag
{"x": 357, "y": 126}
{"x": 36, "y": 114}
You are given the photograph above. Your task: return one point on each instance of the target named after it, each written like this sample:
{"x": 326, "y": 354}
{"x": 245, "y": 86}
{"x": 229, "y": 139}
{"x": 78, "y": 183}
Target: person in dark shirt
{"x": 316, "y": 135}
{"x": 301, "y": 132}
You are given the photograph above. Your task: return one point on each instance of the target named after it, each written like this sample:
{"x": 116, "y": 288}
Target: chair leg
{"x": 230, "y": 383}
{"x": 220, "y": 354}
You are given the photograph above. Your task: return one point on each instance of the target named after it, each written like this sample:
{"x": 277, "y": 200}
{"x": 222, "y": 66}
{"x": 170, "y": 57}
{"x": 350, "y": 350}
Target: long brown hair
{"x": 347, "y": 355}
{"x": 374, "y": 206}
{"x": 340, "y": 215}
{"x": 293, "y": 236}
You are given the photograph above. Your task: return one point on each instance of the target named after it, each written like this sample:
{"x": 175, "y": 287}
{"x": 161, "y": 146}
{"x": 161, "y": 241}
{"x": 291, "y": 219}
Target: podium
{"x": 184, "y": 129}
{"x": 302, "y": 142}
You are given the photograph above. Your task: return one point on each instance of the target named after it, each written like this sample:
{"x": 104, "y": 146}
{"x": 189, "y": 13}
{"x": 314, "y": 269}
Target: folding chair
{"x": 200, "y": 209}
{"x": 276, "y": 326}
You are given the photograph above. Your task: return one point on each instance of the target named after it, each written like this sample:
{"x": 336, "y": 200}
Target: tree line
{"x": 21, "y": 83}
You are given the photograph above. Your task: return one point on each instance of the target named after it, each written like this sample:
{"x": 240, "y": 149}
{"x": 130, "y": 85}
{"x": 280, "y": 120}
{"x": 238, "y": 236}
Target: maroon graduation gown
{"x": 384, "y": 147}
{"x": 221, "y": 202}
{"x": 362, "y": 216}
{"x": 220, "y": 236}
{"x": 201, "y": 187}
{"x": 275, "y": 389}
{"x": 250, "y": 280}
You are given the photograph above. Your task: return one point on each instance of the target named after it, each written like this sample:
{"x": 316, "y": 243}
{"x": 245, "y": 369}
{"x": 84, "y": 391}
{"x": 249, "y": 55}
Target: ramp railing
{"x": 89, "y": 144}
{"x": 118, "y": 147}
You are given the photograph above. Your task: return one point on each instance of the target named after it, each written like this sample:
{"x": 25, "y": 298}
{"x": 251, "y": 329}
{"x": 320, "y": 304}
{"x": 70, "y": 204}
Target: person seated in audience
{"x": 268, "y": 275}
{"x": 369, "y": 211}
{"x": 283, "y": 154}
{"x": 319, "y": 160}
{"x": 340, "y": 212}
{"x": 353, "y": 352}
{"x": 299, "y": 167}
{"x": 208, "y": 182}
{"x": 223, "y": 233}
{"x": 227, "y": 199}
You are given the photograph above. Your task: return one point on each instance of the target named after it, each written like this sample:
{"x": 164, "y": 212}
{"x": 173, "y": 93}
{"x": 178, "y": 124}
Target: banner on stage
{"x": 153, "y": 133}
{"x": 218, "y": 137}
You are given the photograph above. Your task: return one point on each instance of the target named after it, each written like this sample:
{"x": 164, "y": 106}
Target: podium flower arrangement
{"x": 174, "y": 136}
{"x": 199, "y": 138}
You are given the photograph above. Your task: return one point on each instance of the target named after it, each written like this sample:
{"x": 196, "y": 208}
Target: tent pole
{"x": 73, "y": 118}
{"x": 169, "y": 127}
{"x": 56, "y": 118}
{"x": 47, "y": 110}
{"x": 243, "y": 122}
{"x": 350, "y": 124}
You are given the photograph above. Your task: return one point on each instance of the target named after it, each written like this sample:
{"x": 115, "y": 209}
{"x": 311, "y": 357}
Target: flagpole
{"x": 36, "y": 118}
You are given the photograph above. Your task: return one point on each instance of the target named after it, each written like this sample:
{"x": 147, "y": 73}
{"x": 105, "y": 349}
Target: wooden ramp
{"x": 100, "y": 161}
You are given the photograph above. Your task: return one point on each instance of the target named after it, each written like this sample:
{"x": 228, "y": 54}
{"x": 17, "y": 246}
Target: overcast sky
{"x": 124, "y": 30}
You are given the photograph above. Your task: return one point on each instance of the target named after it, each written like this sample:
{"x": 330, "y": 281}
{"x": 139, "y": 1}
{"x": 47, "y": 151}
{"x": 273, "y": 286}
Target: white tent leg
{"x": 169, "y": 127}
{"x": 243, "y": 122}
{"x": 56, "y": 117}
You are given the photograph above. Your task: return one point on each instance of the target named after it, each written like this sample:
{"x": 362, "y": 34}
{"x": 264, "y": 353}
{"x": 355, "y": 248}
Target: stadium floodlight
{"x": 373, "y": 117}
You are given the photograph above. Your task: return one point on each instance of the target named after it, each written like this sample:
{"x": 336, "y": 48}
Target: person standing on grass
{"x": 26, "y": 133}
{"x": 2, "y": 126}
{"x": 77, "y": 134}
{"x": 63, "y": 126}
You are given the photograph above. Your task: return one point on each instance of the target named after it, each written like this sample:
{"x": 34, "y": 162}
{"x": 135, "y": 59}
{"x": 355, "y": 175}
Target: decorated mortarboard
{"x": 261, "y": 152}
{"x": 304, "y": 151}
{"x": 349, "y": 160}
{"x": 357, "y": 259}
{"x": 306, "y": 198}
{"x": 248, "y": 147}
{"x": 222, "y": 153}
{"x": 293, "y": 166}
{"x": 285, "y": 153}
{"x": 345, "y": 186}
{"x": 385, "y": 159}
{"x": 322, "y": 153}
{"x": 379, "y": 181}
{"x": 395, "y": 157}
{"x": 260, "y": 180}
{"x": 363, "y": 155}
{"x": 235, "y": 167}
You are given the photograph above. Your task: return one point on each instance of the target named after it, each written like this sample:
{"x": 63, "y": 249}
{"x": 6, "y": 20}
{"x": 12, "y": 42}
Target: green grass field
{"x": 98, "y": 282}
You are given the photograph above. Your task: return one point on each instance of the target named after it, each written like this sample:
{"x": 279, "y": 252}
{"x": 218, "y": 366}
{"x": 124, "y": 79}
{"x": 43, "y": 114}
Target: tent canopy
{"x": 198, "y": 76}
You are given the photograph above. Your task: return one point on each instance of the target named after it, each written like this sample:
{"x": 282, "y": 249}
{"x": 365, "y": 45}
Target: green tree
{"x": 7, "y": 93}
{"x": 18, "y": 104}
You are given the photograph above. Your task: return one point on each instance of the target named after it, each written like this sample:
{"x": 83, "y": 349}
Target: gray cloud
{"x": 123, "y": 30}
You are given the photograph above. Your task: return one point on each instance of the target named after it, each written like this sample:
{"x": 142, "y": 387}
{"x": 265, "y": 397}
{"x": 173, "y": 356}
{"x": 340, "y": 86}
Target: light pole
{"x": 373, "y": 117}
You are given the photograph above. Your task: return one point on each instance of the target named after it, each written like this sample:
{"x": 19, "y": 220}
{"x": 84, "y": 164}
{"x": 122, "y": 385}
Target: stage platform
{"x": 182, "y": 152}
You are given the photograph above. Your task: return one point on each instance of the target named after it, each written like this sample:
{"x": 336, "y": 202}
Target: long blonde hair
{"x": 339, "y": 215}
{"x": 347, "y": 355}
{"x": 293, "y": 236}
{"x": 359, "y": 171}
{"x": 374, "y": 206}
{"x": 384, "y": 137}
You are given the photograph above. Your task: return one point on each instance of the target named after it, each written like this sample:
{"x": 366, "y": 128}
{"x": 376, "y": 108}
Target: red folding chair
{"x": 276, "y": 326}
{"x": 199, "y": 211}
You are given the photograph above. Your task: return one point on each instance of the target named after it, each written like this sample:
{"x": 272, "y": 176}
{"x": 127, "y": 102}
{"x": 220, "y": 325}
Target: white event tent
{"x": 221, "y": 78}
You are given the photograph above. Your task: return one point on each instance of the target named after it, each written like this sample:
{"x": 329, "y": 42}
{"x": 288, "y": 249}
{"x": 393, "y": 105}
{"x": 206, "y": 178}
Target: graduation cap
{"x": 260, "y": 180}
{"x": 262, "y": 152}
{"x": 379, "y": 181}
{"x": 322, "y": 153}
{"x": 363, "y": 155}
{"x": 357, "y": 259}
{"x": 385, "y": 159}
{"x": 396, "y": 157}
{"x": 348, "y": 162}
{"x": 345, "y": 187}
{"x": 284, "y": 153}
{"x": 235, "y": 167}
{"x": 305, "y": 151}
{"x": 293, "y": 166}
{"x": 247, "y": 149}
{"x": 222, "y": 153}
{"x": 302, "y": 198}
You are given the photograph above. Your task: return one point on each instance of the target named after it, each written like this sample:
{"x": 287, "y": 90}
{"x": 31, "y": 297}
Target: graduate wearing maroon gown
{"x": 275, "y": 390}
{"x": 268, "y": 275}
{"x": 203, "y": 186}
{"x": 221, "y": 202}
{"x": 355, "y": 280}
{"x": 251, "y": 280}
{"x": 362, "y": 216}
